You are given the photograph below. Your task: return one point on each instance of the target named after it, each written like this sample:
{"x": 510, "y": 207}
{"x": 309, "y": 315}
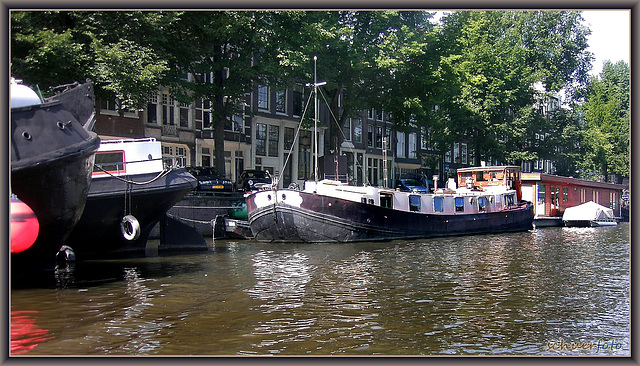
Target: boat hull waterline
{"x": 318, "y": 218}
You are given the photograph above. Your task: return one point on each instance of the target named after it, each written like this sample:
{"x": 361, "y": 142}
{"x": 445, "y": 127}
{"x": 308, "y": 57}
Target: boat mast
{"x": 315, "y": 106}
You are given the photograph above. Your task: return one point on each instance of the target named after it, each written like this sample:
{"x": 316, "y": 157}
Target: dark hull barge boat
{"x": 330, "y": 211}
{"x": 52, "y": 157}
{"x": 131, "y": 190}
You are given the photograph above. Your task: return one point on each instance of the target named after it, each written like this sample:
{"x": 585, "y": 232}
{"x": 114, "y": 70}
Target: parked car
{"x": 209, "y": 180}
{"x": 410, "y": 185}
{"x": 253, "y": 179}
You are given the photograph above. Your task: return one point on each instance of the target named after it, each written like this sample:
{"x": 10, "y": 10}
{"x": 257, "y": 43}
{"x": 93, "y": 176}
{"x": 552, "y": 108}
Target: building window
{"x": 388, "y": 136}
{"x": 167, "y": 110}
{"x": 236, "y": 122}
{"x": 565, "y": 194}
{"x": 379, "y": 137}
{"x": 423, "y": 140}
{"x": 274, "y": 133}
{"x": 298, "y": 100}
{"x": 369, "y": 135}
{"x": 281, "y": 101}
{"x": 379, "y": 115}
{"x": 370, "y": 113}
{"x": 184, "y": 115}
{"x": 400, "y": 151}
{"x": 203, "y": 114}
{"x": 357, "y": 130}
{"x": 456, "y": 152}
{"x": 413, "y": 137}
{"x": 152, "y": 109}
{"x": 263, "y": 97}
{"x": 463, "y": 152}
{"x": 447, "y": 156}
{"x": 346, "y": 129}
{"x": 289, "y": 134}
{"x": 206, "y": 156}
{"x": 261, "y": 139}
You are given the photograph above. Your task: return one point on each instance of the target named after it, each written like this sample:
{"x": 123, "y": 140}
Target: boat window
{"x": 386, "y": 200}
{"x": 438, "y": 204}
{"x": 459, "y": 204}
{"x": 414, "y": 203}
{"x": 363, "y": 199}
{"x": 112, "y": 162}
{"x": 480, "y": 176}
{"x": 509, "y": 199}
{"x": 482, "y": 203}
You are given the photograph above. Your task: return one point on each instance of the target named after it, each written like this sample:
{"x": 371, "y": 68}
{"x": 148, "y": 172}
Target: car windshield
{"x": 258, "y": 174}
{"x": 411, "y": 182}
{"x": 206, "y": 171}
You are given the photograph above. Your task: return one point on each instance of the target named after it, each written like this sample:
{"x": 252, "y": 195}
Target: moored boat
{"x": 330, "y": 211}
{"x": 51, "y": 162}
{"x": 131, "y": 190}
{"x": 589, "y": 214}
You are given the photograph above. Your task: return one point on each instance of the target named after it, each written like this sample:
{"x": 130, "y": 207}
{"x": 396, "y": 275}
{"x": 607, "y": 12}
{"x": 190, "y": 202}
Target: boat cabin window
{"x": 459, "y": 204}
{"x": 482, "y": 203}
{"x": 480, "y": 176}
{"x": 509, "y": 200}
{"x": 112, "y": 162}
{"x": 414, "y": 203}
{"x": 438, "y": 204}
{"x": 386, "y": 200}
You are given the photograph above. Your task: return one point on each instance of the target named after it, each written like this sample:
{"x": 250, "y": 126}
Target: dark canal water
{"x": 532, "y": 293}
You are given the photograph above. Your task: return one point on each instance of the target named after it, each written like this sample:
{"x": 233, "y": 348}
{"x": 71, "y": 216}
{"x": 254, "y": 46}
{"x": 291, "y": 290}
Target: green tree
{"x": 606, "y": 114}
{"x": 225, "y": 52}
{"x": 360, "y": 55}
{"x": 490, "y": 62}
{"x": 114, "y": 49}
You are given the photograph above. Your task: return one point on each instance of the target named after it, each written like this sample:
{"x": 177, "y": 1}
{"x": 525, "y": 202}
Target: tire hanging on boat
{"x": 130, "y": 227}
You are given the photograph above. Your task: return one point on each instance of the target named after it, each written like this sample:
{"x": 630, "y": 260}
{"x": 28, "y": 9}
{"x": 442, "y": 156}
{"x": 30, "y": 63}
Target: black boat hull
{"x": 326, "y": 219}
{"x": 110, "y": 199}
{"x": 52, "y": 160}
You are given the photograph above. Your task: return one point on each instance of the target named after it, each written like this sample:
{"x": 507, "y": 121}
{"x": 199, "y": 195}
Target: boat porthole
{"x": 284, "y": 197}
{"x": 26, "y": 135}
{"x": 150, "y": 157}
{"x": 329, "y": 204}
{"x": 269, "y": 197}
{"x": 368, "y": 221}
{"x": 62, "y": 125}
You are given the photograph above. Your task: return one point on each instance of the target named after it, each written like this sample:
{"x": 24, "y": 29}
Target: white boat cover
{"x": 588, "y": 211}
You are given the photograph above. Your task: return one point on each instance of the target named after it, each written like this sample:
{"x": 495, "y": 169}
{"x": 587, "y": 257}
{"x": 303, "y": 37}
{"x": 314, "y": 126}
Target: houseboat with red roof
{"x": 553, "y": 194}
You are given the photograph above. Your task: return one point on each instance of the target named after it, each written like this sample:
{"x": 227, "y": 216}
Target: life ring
{"x": 130, "y": 227}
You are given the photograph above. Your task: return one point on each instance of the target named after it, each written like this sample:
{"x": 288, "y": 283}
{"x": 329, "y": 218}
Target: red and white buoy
{"x": 24, "y": 226}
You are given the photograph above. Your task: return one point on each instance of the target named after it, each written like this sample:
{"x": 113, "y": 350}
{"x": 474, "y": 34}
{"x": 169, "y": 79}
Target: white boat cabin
{"x": 128, "y": 157}
{"x": 486, "y": 189}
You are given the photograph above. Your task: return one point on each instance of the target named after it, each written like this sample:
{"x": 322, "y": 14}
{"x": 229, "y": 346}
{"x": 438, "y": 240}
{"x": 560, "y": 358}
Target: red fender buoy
{"x": 24, "y": 226}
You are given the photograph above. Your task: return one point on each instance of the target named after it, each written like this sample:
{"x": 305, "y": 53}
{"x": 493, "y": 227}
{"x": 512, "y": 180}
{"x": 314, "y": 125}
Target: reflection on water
{"x": 25, "y": 334}
{"x": 515, "y": 294}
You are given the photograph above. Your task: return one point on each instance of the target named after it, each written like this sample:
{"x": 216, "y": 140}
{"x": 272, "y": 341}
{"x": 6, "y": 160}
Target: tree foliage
{"x": 473, "y": 78}
{"x": 607, "y": 122}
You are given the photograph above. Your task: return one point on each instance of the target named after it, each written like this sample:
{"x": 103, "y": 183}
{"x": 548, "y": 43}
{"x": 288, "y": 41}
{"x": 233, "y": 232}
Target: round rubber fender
{"x": 130, "y": 227}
